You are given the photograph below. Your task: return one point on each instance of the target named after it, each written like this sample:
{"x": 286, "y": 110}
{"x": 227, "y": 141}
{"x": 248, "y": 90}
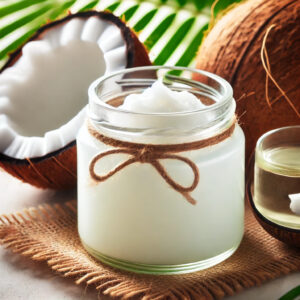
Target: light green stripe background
{"x": 170, "y": 29}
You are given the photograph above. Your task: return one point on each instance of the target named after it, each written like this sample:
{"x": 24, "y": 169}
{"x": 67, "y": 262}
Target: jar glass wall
{"x": 134, "y": 219}
{"x": 277, "y": 176}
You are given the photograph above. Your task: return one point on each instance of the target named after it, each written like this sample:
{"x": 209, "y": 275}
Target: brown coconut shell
{"x": 232, "y": 50}
{"x": 57, "y": 170}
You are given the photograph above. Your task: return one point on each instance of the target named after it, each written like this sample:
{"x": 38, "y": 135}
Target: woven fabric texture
{"x": 49, "y": 233}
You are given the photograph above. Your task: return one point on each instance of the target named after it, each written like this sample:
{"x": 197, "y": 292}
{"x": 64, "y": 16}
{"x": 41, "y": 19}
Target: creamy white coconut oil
{"x": 160, "y": 171}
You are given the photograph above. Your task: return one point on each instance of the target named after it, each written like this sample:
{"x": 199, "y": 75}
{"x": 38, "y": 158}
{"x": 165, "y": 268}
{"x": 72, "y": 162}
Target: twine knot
{"x": 153, "y": 154}
{"x": 144, "y": 155}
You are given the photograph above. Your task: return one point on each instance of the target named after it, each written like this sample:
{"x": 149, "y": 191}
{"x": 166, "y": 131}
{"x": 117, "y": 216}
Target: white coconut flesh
{"x": 44, "y": 94}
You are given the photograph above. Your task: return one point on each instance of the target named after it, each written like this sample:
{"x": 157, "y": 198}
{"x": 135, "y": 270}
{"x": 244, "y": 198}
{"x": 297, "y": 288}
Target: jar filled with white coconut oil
{"x": 161, "y": 171}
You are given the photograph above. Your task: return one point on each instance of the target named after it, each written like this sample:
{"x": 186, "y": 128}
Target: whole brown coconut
{"x": 56, "y": 168}
{"x": 232, "y": 49}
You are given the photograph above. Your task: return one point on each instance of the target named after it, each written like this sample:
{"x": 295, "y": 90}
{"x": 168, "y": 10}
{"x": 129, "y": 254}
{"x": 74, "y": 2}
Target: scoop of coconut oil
{"x": 295, "y": 203}
{"x": 160, "y": 99}
{"x": 171, "y": 109}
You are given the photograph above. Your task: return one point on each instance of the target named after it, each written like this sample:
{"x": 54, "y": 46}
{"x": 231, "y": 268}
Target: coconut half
{"x": 43, "y": 93}
{"x": 233, "y": 48}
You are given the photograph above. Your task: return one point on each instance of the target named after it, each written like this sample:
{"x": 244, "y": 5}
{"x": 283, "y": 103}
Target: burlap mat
{"x": 48, "y": 233}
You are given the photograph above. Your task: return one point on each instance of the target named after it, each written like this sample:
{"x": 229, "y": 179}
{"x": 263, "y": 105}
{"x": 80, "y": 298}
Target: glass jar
{"x": 136, "y": 218}
{"x": 277, "y": 176}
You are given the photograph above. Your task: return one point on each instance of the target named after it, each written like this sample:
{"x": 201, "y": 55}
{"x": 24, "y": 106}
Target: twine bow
{"x": 152, "y": 154}
{"x": 147, "y": 155}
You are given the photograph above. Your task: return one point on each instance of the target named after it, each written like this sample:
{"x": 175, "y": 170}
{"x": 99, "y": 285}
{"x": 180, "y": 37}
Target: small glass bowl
{"x": 276, "y": 196}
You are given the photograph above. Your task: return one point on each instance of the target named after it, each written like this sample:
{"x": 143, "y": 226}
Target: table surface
{"x": 22, "y": 278}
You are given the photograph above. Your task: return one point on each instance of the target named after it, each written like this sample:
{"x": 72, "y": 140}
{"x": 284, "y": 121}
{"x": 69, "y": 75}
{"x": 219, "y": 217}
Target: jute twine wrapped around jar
{"x": 152, "y": 153}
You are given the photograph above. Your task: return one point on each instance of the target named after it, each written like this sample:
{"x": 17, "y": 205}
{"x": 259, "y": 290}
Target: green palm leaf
{"x": 169, "y": 37}
{"x": 89, "y": 6}
{"x": 159, "y": 31}
{"x": 15, "y": 6}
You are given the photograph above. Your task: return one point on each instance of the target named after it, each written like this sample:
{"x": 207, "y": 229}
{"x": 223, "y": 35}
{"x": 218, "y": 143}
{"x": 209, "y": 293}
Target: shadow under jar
{"x": 161, "y": 193}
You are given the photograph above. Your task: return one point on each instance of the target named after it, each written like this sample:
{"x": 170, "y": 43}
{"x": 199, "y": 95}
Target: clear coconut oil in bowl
{"x": 277, "y": 177}
{"x": 160, "y": 174}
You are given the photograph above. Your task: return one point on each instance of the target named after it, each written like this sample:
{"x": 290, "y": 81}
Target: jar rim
{"x": 279, "y": 167}
{"x": 226, "y": 97}
{"x": 274, "y": 131}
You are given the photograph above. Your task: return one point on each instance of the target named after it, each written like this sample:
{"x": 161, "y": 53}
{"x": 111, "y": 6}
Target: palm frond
{"x": 170, "y": 29}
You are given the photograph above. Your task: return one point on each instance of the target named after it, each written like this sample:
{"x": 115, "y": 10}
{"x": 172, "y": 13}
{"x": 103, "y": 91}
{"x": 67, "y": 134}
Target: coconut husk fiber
{"x": 49, "y": 234}
{"x": 232, "y": 49}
